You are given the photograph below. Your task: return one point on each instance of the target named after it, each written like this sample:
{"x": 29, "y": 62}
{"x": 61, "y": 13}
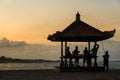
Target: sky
{"x": 31, "y": 21}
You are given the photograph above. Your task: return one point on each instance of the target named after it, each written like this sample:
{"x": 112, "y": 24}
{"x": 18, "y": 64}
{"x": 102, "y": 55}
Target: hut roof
{"x": 81, "y": 31}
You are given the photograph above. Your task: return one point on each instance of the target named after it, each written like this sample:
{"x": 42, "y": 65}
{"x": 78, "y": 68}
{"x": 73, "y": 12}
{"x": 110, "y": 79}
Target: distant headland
{"x": 4, "y": 59}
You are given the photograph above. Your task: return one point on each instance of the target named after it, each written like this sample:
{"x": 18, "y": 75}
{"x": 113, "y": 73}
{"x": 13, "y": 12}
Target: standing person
{"x": 93, "y": 53}
{"x": 94, "y": 49}
{"x": 106, "y": 61}
{"x": 85, "y": 59}
{"x": 75, "y": 54}
{"x": 68, "y": 54}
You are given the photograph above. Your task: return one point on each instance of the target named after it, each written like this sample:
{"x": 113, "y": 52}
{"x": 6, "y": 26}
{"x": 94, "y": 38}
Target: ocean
{"x": 44, "y": 65}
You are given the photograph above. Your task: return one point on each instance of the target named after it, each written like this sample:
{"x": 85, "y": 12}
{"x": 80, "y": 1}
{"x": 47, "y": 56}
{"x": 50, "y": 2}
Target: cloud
{"x": 7, "y": 43}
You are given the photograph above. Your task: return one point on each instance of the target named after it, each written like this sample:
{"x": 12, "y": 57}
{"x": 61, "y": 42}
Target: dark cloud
{"x": 52, "y": 52}
{"x": 32, "y": 52}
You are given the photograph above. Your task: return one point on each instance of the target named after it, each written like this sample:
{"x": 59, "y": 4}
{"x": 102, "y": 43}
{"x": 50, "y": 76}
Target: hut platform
{"x": 79, "y": 69}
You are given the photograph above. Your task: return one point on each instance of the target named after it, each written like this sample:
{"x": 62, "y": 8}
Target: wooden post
{"x": 95, "y": 60}
{"x": 61, "y": 48}
{"x": 65, "y": 53}
{"x": 65, "y": 46}
{"x": 89, "y": 47}
{"x": 62, "y": 63}
{"x": 89, "y": 58}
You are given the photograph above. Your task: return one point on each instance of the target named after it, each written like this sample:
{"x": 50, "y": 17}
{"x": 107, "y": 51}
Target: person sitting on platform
{"x": 86, "y": 55}
{"x": 106, "y": 61}
{"x": 94, "y": 50}
{"x": 75, "y": 55}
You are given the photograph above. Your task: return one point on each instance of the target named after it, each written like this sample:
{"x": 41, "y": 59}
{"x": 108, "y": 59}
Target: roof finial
{"x": 77, "y": 16}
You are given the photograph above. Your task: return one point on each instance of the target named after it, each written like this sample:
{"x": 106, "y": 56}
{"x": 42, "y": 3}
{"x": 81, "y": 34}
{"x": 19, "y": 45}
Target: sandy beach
{"x": 53, "y": 75}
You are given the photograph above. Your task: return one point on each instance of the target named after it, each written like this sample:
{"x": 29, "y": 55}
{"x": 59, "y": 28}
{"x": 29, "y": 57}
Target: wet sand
{"x": 54, "y": 75}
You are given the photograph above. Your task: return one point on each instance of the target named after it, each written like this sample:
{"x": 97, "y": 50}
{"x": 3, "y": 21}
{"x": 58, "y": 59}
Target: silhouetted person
{"x": 106, "y": 61}
{"x": 75, "y": 54}
{"x": 86, "y": 55}
{"x": 68, "y": 54}
{"x": 94, "y": 49}
{"x": 93, "y": 53}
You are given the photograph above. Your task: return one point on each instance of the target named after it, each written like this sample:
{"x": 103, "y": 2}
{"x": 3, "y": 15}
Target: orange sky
{"x": 33, "y": 20}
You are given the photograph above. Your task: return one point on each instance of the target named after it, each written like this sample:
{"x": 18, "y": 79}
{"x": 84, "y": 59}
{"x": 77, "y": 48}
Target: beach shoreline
{"x": 51, "y": 74}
